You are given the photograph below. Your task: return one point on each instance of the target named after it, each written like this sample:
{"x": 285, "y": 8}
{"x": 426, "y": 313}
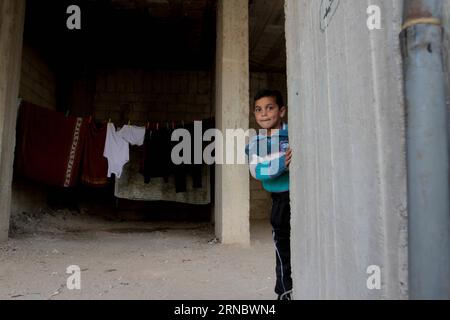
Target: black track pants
{"x": 281, "y": 224}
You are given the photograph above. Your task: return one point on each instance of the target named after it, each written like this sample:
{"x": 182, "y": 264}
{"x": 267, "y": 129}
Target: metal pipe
{"x": 427, "y": 151}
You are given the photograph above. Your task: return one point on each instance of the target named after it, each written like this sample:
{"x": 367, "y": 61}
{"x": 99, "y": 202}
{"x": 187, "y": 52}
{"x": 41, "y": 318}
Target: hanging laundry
{"x": 196, "y": 169}
{"x": 117, "y": 146}
{"x": 116, "y": 151}
{"x": 133, "y": 135}
{"x": 131, "y": 186}
{"x": 157, "y": 161}
{"x": 157, "y": 154}
{"x": 193, "y": 170}
{"x": 95, "y": 165}
{"x": 49, "y": 146}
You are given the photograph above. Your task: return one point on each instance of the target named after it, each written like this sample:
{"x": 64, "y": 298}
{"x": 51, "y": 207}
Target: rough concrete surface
{"x": 131, "y": 260}
{"x": 232, "y": 183}
{"x": 348, "y": 174}
{"x": 446, "y": 22}
{"x": 12, "y": 15}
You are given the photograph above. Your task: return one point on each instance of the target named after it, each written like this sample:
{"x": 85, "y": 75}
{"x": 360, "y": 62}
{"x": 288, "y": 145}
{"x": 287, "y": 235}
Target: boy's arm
{"x": 264, "y": 169}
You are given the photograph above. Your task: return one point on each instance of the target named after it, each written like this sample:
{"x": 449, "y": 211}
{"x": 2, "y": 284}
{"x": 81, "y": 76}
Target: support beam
{"x": 232, "y": 205}
{"x": 12, "y": 16}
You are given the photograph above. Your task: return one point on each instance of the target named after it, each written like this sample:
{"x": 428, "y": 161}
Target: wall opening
{"x": 144, "y": 63}
{"x": 267, "y": 70}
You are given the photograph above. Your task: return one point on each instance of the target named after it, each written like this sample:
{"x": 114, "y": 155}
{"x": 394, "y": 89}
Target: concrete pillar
{"x": 12, "y": 16}
{"x": 347, "y": 130}
{"x": 232, "y": 112}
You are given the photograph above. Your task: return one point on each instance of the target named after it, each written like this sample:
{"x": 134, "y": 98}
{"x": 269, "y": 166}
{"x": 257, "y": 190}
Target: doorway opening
{"x": 143, "y": 63}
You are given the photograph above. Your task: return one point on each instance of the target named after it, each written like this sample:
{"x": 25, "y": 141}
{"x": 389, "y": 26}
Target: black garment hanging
{"x": 192, "y": 169}
{"x": 180, "y": 172}
{"x": 157, "y": 157}
{"x": 157, "y": 154}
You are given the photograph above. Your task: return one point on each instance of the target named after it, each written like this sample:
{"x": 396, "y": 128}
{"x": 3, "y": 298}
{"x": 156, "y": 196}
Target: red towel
{"x": 95, "y": 165}
{"x": 49, "y": 146}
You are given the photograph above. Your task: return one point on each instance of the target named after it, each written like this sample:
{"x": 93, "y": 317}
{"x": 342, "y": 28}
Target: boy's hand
{"x": 288, "y": 157}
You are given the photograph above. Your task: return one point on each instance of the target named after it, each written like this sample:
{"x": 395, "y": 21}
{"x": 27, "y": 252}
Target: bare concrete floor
{"x": 135, "y": 260}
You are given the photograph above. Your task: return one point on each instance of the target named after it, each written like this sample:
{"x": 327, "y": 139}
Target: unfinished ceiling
{"x": 150, "y": 33}
{"x": 166, "y": 8}
{"x": 267, "y": 36}
{"x": 126, "y": 33}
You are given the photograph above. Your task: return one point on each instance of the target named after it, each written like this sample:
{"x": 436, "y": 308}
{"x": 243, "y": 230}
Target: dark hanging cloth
{"x": 195, "y": 170}
{"x": 157, "y": 160}
{"x": 95, "y": 165}
{"x": 180, "y": 171}
{"x": 192, "y": 169}
{"x": 49, "y": 146}
{"x": 157, "y": 154}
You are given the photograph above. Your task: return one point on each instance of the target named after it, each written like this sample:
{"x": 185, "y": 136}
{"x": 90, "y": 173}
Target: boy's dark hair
{"x": 270, "y": 93}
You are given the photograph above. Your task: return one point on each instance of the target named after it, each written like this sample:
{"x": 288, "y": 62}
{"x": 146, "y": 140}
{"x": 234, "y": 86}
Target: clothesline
{"x": 118, "y": 141}
{"x": 156, "y": 124}
{"x": 53, "y": 148}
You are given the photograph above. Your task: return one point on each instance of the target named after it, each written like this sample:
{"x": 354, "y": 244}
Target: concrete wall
{"x": 38, "y": 86}
{"x": 260, "y": 200}
{"x": 142, "y": 96}
{"x": 232, "y": 88}
{"x": 446, "y": 20}
{"x": 12, "y": 15}
{"x": 348, "y": 177}
{"x": 37, "y": 81}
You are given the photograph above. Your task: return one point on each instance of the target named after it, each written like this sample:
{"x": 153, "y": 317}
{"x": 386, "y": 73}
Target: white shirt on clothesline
{"x": 117, "y": 149}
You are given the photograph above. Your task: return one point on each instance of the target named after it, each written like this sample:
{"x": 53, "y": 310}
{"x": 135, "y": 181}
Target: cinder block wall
{"x": 260, "y": 200}
{"x": 37, "y": 82}
{"x": 347, "y": 123}
{"x": 38, "y": 86}
{"x": 142, "y": 96}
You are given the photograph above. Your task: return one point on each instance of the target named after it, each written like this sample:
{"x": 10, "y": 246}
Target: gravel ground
{"x": 132, "y": 260}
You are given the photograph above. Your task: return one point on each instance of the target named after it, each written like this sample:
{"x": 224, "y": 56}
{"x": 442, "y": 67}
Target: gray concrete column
{"x": 347, "y": 132}
{"x": 232, "y": 112}
{"x": 12, "y": 16}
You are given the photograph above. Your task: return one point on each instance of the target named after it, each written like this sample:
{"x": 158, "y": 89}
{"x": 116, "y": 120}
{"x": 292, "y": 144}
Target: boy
{"x": 269, "y": 158}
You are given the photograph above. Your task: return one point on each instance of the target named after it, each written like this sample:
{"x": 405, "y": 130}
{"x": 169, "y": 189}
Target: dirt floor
{"x": 132, "y": 260}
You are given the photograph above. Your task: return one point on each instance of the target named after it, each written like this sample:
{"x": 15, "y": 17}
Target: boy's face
{"x": 269, "y": 114}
